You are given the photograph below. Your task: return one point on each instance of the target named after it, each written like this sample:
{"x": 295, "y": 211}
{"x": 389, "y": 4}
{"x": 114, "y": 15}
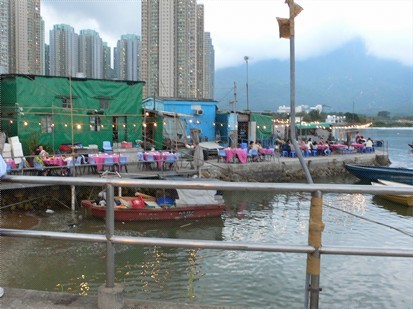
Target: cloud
{"x": 108, "y": 17}
{"x": 249, "y": 27}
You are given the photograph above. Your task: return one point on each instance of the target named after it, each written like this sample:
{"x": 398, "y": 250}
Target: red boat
{"x": 202, "y": 204}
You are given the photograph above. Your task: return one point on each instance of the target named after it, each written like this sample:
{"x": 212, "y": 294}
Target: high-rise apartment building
{"x": 200, "y": 52}
{"x": 24, "y": 37}
{"x": 172, "y": 48}
{"x": 107, "y": 70}
{"x": 127, "y": 57}
{"x": 90, "y": 54}
{"x": 4, "y": 36}
{"x": 209, "y": 67}
{"x": 63, "y": 51}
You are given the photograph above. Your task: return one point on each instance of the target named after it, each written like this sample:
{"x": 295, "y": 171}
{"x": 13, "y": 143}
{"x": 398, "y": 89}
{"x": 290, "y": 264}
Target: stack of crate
{"x": 16, "y": 149}
{"x": 7, "y": 151}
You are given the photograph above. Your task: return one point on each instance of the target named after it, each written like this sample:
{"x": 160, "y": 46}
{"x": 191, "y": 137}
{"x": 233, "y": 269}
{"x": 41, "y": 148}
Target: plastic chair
{"x": 252, "y": 154}
{"x": 92, "y": 165}
{"x": 109, "y": 163}
{"x": 141, "y": 160}
{"x": 8, "y": 168}
{"x": 221, "y": 154}
{"x": 284, "y": 153}
{"x": 78, "y": 165}
{"x": 107, "y": 147}
{"x": 292, "y": 154}
{"x": 170, "y": 161}
{"x": 314, "y": 152}
{"x": 123, "y": 162}
{"x": 149, "y": 160}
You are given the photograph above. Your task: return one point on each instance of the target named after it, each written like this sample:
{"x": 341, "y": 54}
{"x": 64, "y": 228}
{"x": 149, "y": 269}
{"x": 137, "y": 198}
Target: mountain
{"x": 344, "y": 80}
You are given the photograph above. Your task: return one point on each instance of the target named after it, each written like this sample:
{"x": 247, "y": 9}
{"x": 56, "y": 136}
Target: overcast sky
{"x": 249, "y": 27}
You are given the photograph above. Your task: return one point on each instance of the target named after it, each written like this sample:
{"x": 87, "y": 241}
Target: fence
{"x": 106, "y": 299}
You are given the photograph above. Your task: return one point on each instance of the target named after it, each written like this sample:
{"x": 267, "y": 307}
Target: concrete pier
{"x": 289, "y": 169}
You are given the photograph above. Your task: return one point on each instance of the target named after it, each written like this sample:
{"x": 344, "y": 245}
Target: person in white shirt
{"x": 369, "y": 143}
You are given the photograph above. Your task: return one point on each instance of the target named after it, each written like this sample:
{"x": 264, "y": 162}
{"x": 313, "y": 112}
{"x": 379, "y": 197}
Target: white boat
{"x": 406, "y": 200}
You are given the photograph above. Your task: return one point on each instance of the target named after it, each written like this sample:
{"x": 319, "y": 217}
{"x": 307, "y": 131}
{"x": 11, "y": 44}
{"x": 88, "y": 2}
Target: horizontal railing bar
{"x": 208, "y": 244}
{"x": 208, "y": 185}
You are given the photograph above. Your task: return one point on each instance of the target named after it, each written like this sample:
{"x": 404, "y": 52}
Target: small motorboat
{"x": 411, "y": 145}
{"x": 190, "y": 204}
{"x": 373, "y": 173}
{"x": 406, "y": 200}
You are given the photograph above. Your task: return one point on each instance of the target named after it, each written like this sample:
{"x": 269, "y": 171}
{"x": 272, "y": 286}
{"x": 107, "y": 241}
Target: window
{"x": 66, "y": 103}
{"x": 47, "y": 124}
{"x": 104, "y": 103}
{"x": 94, "y": 123}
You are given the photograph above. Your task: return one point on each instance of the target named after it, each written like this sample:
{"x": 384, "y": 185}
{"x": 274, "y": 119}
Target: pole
{"x": 316, "y": 226}
{"x": 246, "y": 58}
{"x": 144, "y": 128}
{"x": 235, "y": 116}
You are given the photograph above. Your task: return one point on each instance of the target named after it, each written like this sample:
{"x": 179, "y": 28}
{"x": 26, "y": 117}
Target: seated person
{"x": 287, "y": 147}
{"x": 43, "y": 153}
{"x": 369, "y": 143}
{"x": 38, "y": 164}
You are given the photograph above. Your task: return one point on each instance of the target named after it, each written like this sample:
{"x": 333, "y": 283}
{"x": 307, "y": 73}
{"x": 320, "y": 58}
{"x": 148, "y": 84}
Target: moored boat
{"x": 191, "y": 204}
{"x": 411, "y": 145}
{"x": 373, "y": 173}
{"x": 406, "y": 199}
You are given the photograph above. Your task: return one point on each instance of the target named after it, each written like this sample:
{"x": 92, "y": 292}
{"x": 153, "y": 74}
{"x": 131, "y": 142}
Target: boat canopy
{"x": 196, "y": 197}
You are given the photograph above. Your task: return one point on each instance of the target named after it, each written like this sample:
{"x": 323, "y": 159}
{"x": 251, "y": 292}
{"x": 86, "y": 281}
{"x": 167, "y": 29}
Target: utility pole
{"x": 246, "y": 58}
{"x": 235, "y": 115}
{"x": 315, "y": 226}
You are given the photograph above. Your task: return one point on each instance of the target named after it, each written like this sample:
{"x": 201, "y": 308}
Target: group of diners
{"x": 68, "y": 164}
{"x": 325, "y": 148}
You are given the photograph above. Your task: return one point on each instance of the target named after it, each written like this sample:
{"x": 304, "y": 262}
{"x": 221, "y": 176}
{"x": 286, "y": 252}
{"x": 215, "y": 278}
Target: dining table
{"x": 100, "y": 160}
{"x": 357, "y": 145}
{"x": 240, "y": 153}
{"x": 266, "y": 152}
{"x": 337, "y": 146}
{"x": 159, "y": 157}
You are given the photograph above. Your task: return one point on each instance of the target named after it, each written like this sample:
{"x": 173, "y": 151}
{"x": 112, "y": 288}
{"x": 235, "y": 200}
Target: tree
{"x": 352, "y": 118}
{"x": 383, "y": 114}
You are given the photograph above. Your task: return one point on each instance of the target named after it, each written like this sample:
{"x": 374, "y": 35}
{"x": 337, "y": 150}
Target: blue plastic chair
{"x": 149, "y": 161}
{"x": 107, "y": 147}
{"x": 109, "y": 163}
{"x": 252, "y": 154}
{"x": 221, "y": 154}
{"x": 78, "y": 165}
{"x": 123, "y": 162}
{"x": 92, "y": 164}
{"x": 169, "y": 161}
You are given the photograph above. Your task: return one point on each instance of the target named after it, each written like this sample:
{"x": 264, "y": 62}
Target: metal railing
{"x": 110, "y": 238}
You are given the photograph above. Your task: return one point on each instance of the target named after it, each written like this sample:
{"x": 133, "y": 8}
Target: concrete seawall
{"x": 289, "y": 169}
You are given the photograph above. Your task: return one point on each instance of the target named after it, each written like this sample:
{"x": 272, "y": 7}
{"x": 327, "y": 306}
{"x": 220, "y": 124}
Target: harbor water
{"x": 236, "y": 278}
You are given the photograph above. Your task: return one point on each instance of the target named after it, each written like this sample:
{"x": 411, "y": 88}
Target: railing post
{"x": 110, "y": 295}
{"x": 315, "y": 230}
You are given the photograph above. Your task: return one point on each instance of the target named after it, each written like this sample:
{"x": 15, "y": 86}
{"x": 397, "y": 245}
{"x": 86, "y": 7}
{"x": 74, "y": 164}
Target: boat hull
{"x": 406, "y": 200}
{"x": 374, "y": 173}
{"x": 148, "y": 214}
